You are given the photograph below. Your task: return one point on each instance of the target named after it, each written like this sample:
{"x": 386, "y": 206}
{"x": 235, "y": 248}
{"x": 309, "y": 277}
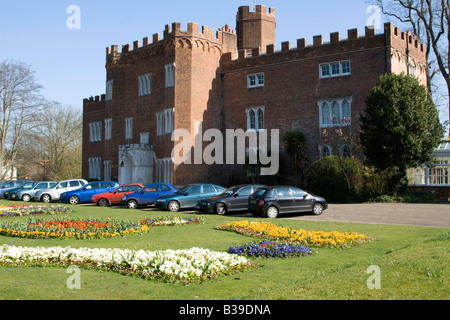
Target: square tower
{"x": 255, "y": 29}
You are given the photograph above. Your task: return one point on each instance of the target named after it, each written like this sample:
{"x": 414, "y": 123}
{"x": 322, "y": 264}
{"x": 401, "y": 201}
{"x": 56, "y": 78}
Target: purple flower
{"x": 269, "y": 249}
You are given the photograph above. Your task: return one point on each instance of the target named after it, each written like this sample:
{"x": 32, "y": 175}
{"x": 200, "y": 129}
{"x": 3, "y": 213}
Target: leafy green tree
{"x": 400, "y": 127}
{"x": 327, "y": 178}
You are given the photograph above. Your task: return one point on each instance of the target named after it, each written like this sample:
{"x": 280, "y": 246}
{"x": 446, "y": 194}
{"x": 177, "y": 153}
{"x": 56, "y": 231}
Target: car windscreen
{"x": 183, "y": 190}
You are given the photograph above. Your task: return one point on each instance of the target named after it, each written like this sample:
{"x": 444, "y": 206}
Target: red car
{"x": 114, "y": 197}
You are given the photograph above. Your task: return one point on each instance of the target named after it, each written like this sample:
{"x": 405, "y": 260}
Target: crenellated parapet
{"x": 193, "y": 31}
{"x": 401, "y": 43}
{"x": 260, "y": 11}
{"x": 222, "y": 40}
{"x": 255, "y": 28}
{"x": 406, "y": 48}
{"x": 94, "y": 104}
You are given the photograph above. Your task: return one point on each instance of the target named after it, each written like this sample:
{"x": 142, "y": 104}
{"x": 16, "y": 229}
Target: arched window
{"x": 335, "y": 114}
{"x": 325, "y": 114}
{"x": 325, "y": 151}
{"x": 346, "y": 112}
{"x": 346, "y": 151}
{"x": 260, "y": 119}
{"x": 252, "y": 120}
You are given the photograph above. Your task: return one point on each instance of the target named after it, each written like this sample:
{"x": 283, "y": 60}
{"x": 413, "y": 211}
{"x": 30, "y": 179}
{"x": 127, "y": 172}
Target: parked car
{"x": 147, "y": 195}
{"x": 52, "y": 194}
{"x": 188, "y": 196}
{"x": 232, "y": 199}
{"x": 11, "y": 193}
{"x": 85, "y": 193}
{"x": 109, "y": 198}
{"x": 10, "y": 186}
{"x": 272, "y": 201}
{"x": 28, "y": 194}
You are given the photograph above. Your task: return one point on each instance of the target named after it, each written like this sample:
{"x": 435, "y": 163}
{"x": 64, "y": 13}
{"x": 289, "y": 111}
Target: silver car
{"x": 28, "y": 194}
{"x": 52, "y": 194}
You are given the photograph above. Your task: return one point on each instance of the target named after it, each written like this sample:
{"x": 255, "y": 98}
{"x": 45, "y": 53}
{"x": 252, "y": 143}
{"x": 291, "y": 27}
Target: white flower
{"x": 189, "y": 263}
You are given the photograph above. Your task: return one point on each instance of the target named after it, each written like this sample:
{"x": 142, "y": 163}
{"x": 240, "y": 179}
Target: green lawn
{"x": 413, "y": 264}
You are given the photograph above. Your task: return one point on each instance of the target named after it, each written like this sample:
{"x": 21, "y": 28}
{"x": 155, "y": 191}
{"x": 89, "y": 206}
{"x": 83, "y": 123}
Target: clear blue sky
{"x": 70, "y": 64}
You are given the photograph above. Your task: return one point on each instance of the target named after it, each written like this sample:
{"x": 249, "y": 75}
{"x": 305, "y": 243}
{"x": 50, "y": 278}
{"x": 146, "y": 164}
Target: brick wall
{"x": 211, "y": 70}
{"x": 93, "y": 111}
{"x": 255, "y": 29}
{"x": 292, "y": 86}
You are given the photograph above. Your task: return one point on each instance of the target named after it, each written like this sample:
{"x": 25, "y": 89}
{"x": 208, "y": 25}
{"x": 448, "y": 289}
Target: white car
{"x": 52, "y": 194}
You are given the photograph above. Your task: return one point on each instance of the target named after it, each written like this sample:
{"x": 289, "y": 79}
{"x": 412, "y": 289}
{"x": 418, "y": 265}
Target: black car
{"x": 272, "y": 201}
{"x": 232, "y": 199}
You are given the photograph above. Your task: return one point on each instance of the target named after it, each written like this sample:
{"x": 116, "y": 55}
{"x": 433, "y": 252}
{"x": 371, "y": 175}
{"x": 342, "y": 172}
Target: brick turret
{"x": 255, "y": 29}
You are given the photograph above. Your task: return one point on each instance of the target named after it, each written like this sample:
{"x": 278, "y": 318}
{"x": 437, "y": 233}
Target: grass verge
{"x": 413, "y": 264}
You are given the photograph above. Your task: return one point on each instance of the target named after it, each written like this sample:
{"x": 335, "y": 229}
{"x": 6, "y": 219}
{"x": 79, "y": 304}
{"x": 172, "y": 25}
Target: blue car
{"x": 146, "y": 196}
{"x": 188, "y": 196}
{"x": 10, "y": 193}
{"x": 85, "y": 193}
{"x": 11, "y": 185}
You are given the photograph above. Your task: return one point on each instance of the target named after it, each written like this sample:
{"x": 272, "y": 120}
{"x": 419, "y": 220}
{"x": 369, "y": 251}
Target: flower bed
{"x": 77, "y": 229}
{"x": 186, "y": 266}
{"x": 29, "y": 210}
{"x": 171, "y": 221}
{"x": 271, "y": 231}
{"x": 269, "y": 249}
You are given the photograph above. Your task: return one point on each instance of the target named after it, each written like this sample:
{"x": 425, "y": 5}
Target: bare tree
{"x": 54, "y": 146}
{"x": 429, "y": 20}
{"x": 19, "y": 102}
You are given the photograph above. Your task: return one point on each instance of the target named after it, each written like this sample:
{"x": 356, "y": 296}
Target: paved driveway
{"x": 429, "y": 215}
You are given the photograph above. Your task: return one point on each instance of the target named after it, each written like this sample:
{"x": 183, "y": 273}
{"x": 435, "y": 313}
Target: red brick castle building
{"x": 231, "y": 79}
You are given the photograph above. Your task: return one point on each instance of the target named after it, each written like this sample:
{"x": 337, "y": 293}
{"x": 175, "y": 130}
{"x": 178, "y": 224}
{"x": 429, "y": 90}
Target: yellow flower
{"x": 310, "y": 237}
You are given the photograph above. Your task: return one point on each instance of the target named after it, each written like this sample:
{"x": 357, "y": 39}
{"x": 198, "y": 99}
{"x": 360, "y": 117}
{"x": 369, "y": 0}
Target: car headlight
{"x": 124, "y": 198}
{"x": 160, "y": 200}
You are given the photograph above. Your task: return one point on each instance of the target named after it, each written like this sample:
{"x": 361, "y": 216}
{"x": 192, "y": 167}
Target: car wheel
{"x": 132, "y": 204}
{"x": 74, "y": 200}
{"x": 26, "y": 198}
{"x": 173, "y": 206}
{"x": 220, "y": 208}
{"x": 46, "y": 198}
{"x": 272, "y": 212}
{"x": 103, "y": 202}
{"x": 317, "y": 209}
